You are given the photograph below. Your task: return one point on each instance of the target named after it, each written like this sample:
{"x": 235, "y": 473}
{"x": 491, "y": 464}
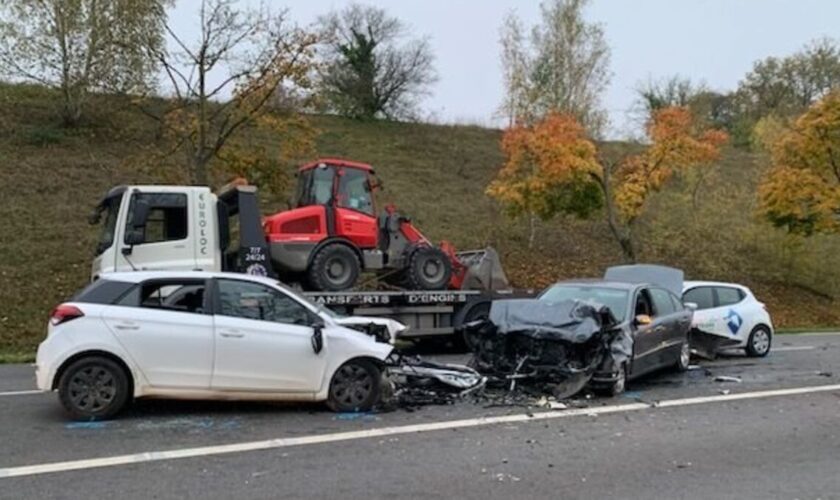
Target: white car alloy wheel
{"x": 759, "y": 342}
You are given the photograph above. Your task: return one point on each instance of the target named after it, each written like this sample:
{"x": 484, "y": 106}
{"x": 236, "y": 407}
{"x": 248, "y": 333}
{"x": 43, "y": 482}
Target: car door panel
{"x": 262, "y": 341}
{"x": 171, "y": 348}
{"x": 264, "y": 356}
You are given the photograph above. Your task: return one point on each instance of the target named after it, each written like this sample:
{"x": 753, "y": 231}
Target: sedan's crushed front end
{"x": 553, "y": 347}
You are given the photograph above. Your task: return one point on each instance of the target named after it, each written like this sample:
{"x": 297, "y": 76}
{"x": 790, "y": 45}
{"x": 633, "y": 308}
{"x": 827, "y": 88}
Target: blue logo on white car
{"x": 734, "y": 321}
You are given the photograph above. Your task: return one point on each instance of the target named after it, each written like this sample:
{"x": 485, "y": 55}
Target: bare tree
{"x": 368, "y": 72}
{"x": 226, "y": 79}
{"x": 672, "y": 91}
{"x": 515, "y": 69}
{"x": 80, "y": 46}
{"x": 565, "y": 63}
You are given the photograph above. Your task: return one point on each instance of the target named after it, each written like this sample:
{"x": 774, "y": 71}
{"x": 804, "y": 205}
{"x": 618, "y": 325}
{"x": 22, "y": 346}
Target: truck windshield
{"x": 106, "y": 215}
{"x": 614, "y": 298}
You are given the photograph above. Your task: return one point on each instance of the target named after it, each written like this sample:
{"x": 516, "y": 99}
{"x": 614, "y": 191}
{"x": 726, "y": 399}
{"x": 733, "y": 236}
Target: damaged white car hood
{"x": 394, "y": 328}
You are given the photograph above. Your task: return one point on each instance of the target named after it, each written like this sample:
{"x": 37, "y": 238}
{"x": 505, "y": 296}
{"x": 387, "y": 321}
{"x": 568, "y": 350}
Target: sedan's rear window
{"x": 613, "y": 298}
{"x": 102, "y": 291}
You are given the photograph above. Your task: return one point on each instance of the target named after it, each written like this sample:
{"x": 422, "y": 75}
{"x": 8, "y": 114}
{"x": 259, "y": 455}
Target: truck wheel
{"x": 93, "y": 388}
{"x": 334, "y": 268}
{"x": 355, "y": 386}
{"x": 428, "y": 269}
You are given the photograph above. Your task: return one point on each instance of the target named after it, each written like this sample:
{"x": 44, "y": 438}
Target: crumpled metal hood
{"x": 572, "y": 321}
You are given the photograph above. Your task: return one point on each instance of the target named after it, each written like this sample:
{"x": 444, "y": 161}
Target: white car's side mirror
{"x": 692, "y": 306}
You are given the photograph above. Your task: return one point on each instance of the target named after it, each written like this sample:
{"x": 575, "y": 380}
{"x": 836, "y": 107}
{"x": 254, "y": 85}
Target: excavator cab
{"x": 337, "y": 183}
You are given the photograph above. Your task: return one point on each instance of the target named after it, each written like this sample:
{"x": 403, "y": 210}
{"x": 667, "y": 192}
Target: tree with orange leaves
{"x": 554, "y": 160}
{"x": 547, "y": 170}
{"x": 802, "y": 191}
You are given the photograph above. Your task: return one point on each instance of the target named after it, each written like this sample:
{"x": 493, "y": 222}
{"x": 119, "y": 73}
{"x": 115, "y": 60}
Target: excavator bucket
{"x": 483, "y": 270}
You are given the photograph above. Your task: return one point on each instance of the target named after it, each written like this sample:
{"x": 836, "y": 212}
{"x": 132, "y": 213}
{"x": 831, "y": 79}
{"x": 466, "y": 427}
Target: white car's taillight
{"x": 64, "y": 313}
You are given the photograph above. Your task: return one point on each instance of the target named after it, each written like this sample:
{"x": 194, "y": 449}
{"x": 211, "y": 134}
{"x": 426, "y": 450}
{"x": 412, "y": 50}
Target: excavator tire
{"x": 334, "y": 268}
{"x": 428, "y": 268}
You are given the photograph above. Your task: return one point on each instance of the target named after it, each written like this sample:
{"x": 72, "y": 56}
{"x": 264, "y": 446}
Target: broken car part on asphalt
{"x": 410, "y": 381}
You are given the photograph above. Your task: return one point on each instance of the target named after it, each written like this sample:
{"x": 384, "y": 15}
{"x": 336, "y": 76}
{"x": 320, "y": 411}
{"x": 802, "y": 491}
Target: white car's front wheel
{"x": 355, "y": 386}
{"x": 758, "y": 345}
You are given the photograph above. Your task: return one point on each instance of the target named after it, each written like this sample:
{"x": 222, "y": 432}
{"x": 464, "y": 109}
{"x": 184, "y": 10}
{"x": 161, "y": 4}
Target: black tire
{"x": 334, "y": 268}
{"x": 94, "y": 388}
{"x": 355, "y": 387}
{"x": 759, "y": 343}
{"x": 616, "y": 387}
{"x": 684, "y": 359}
{"x": 476, "y": 312}
{"x": 428, "y": 268}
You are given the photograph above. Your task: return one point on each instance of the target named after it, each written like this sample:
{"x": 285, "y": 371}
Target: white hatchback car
{"x": 202, "y": 336}
{"x": 731, "y": 313}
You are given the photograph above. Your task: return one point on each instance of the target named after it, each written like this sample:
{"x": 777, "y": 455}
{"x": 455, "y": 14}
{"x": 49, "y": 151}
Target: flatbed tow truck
{"x": 324, "y": 243}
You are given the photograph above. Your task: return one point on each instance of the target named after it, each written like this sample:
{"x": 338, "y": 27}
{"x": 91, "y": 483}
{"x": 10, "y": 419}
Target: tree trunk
{"x": 532, "y": 220}
{"x": 622, "y": 235}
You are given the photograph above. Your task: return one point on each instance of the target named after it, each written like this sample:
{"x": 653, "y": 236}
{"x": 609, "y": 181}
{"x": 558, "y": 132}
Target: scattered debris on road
{"x": 727, "y": 378}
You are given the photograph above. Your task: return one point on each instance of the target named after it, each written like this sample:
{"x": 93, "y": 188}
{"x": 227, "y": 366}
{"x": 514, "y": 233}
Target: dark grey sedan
{"x": 653, "y": 316}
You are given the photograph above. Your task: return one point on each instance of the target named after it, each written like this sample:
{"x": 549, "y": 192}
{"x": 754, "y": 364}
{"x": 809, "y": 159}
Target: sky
{"x": 710, "y": 41}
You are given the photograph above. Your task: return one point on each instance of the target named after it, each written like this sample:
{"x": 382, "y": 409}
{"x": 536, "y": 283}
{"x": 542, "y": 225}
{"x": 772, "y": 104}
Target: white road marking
{"x": 812, "y": 334}
{"x": 792, "y": 348}
{"x": 154, "y": 456}
{"x": 21, "y": 393}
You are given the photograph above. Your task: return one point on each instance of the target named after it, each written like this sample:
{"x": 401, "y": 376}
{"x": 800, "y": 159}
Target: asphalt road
{"x": 671, "y": 436}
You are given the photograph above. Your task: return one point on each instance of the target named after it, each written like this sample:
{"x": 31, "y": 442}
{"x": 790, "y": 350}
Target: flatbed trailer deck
{"x": 426, "y": 313}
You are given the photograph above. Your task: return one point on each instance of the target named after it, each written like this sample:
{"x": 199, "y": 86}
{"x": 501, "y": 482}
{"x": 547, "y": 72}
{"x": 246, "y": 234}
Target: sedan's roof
{"x": 597, "y": 282}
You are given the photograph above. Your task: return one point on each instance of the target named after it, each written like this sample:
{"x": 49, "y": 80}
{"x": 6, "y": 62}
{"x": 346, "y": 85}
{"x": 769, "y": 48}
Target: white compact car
{"x": 731, "y": 314}
{"x": 198, "y": 335}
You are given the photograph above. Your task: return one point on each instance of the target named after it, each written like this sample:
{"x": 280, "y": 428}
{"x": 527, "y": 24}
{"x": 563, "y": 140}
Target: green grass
{"x": 52, "y": 177}
{"x": 16, "y": 357}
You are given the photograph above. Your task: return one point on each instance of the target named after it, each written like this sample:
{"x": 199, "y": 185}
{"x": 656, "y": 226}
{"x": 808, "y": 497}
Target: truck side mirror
{"x": 140, "y": 213}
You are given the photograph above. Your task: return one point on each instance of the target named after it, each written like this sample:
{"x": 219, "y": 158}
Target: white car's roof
{"x": 138, "y": 276}
{"x": 693, "y": 284}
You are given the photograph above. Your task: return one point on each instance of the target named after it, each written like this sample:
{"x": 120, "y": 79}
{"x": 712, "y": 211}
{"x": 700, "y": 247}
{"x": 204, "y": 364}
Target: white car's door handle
{"x": 231, "y": 334}
{"x": 127, "y": 327}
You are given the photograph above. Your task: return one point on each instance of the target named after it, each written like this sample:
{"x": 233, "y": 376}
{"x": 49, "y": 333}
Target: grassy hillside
{"x": 52, "y": 177}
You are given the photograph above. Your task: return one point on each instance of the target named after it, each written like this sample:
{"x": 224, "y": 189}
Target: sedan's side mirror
{"x": 318, "y": 337}
{"x": 643, "y": 319}
{"x": 691, "y": 306}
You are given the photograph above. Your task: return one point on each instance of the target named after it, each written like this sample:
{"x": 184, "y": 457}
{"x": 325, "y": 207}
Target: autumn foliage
{"x": 553, "y": 158}
{"x": 802, "y": 191}
{"x": 543, "y": 161}
{"x": 676, "y": 143}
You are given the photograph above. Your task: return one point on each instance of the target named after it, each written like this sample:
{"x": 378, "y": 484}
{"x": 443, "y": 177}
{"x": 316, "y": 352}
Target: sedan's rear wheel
{"x": 94, "y": 388}
{"x": 758, "y": 345}
{"x": 355, "y": 386}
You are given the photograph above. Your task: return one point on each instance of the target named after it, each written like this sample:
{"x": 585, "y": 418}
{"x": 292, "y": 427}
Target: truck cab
{"x": 179, "y": 228}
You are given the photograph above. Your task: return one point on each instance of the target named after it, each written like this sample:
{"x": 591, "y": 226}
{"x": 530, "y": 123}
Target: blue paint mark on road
{"x": 86, "y": 425}
{"x": 633, "y": 394}
{"x": 361, "y": 416}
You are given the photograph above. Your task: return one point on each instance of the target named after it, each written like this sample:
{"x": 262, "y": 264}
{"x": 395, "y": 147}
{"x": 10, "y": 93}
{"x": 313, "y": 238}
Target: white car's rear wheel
{"x": 758, "y": 345}
{"x": 93, "y": 388}
{"x": 355, "y": 386}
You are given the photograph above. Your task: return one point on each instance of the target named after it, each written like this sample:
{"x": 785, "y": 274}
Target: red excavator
{"x": 333, "y": 233}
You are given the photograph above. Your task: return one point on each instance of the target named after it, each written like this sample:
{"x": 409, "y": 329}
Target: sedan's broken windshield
{"x": 613, "y": 298}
